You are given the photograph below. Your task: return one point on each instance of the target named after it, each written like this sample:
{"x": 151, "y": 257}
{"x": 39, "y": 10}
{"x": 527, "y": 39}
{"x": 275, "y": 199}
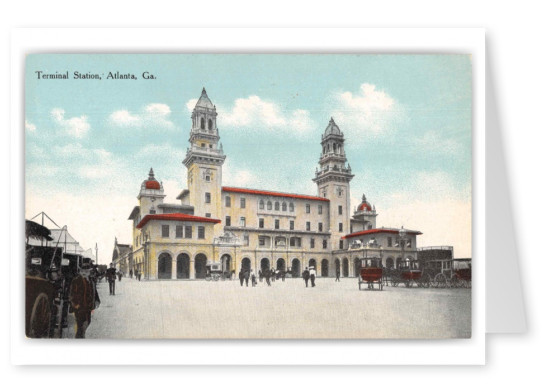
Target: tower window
{"x": 341, "y": 244}
{"x": 261, "y": 223}
{"x": 312, "y": 243}
{"x": 165, "y": 231}
{"x": 307, "y": 208}
{"x": 242, "y": 201}
{"x": 340, "y": 227}
{"x": 307, "y": 226}
{"x": 207, "y": 198}
{"x": 291, "y": 207}
{"x": 276, "y": 206}
{"x": 284, "y": 206}
{"x": 320, "y": 227}
{"x": 261, "y": 204}
{"x": 207, "y": 178}
{"x": 389, "y": 241}
{"x": 245, "y": 240}
{"x": 241, "y": 221}
{"x": 320, "y": 209}
{"x": 228, "y": 221}
{"x": 291, "y": 225}
{"x": 210, "y": 124}
{"x": 228, "y": 201}
{"x": 325, "y": 244}
{"x": 201, "y": 232}
{"x": 188, "y": 231}
{"x": 340, "y": 209}
{"x": 202, "y": 123}
{"x": 269, "y": 205}
{"x": 179, "y": 231}
{"x": 277, "y": 224}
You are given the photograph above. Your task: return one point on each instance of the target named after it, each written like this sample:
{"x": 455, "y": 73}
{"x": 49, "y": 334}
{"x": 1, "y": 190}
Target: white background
{"x": 517, "y": 46}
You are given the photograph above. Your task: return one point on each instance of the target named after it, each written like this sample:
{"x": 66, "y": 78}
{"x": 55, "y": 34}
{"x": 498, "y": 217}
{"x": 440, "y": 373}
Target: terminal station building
{"x": 256, "y": 229}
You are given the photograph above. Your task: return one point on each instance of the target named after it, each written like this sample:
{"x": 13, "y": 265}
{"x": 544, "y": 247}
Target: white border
{"x": 373, "y": 352}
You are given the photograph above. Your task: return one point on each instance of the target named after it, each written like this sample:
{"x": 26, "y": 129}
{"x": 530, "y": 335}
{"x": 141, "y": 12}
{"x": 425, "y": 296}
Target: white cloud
{"x": 238, "y": 177}
{"x": 76, "y": 127}
{"x": 29, "y": 127}
{"x": 371, "y": 112}
{"x": 156, "y": 115}
{"x": 257, "y": 114}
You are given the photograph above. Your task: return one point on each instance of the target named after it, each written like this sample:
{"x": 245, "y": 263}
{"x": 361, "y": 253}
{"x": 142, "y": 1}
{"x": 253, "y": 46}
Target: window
{"x": 295, "y": 242}
{"x": 179, "y": 231}
{"x": 307, "y": 226}
{"x": 228, "y": 221}
{"x": 292, "y": 242}
{"x": 408, "y": 243}
{"x": 228, "y": 201}
{"x": 165, "y": 231}
{"x": 340, "y": 209}
{"x": 245, "y": 240}
{"x": 210, "y": 124}
{"x": 312, "y": 243}
{"x": 276, "y": 224}
{"x": 242, "y": 202}
{"x": 241, "y": 221}
{"x": 389, "y": 241}
{"x": 263, "y": 241}
{"x": 260, "y": 223}
{"x": 207, "y": 214}
{"x": 284, "y": 206}
{"x": 307, "y": 208}
{"x": 320, "y": 227}
{"x": 320, "y": 209}
{"x": 202, "y": 123}
{"x": 291, "y": 207}
{"x": 207, "y": 178}
{"x": 340, "y": 227}
{"x": 201, "y": 232}
{"x": 207, "y": 198}
{"x": 202, "y": 145}
{"x": 269, "y": 205}
{"x": 341, "y": 244}
{"x": 188, "y": 231}
{"x": 151, "y": 211}
{"x": 261, "y": 204}
{"x": 325, "y": 244}
{"x": 276, "y": 206}
{"x": 339, "y": 192}
{"x": 291, "y": 225}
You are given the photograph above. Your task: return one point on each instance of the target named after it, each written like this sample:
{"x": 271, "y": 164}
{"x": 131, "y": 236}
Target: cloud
{"x": 29, "y": 127}
{"x": 433, "y": 142}
{"x": 256, "y": 114}
{"x": 370, "y": 112}
{"x": 76, "y": 127}
{"x": 156, "y": 115}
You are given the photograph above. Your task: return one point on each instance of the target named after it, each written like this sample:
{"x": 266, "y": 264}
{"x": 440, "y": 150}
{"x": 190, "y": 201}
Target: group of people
{"x": 136, "y": 274}
{"x": 245, "y": 275}
{"x": 309, "y": 275}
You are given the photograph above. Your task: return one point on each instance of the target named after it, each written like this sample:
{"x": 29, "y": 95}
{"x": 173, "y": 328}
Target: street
{"x": 223, "y": 309}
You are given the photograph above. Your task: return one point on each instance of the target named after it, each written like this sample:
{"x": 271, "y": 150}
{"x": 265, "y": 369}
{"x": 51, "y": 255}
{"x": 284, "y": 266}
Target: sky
{"x": 89, "y": 143}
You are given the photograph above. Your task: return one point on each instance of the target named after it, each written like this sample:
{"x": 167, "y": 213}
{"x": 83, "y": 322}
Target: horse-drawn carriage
{"x": 215, "y": 272}
{"x": 371, "y": 273}
{"x": 410, "y": 273}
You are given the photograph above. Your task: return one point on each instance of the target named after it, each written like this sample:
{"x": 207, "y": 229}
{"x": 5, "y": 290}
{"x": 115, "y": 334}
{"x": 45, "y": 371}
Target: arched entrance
{"x": 245, "y": 264}
{"x": 324, "y": 268}
{"x": 337, "y": 266}
{"x": 345, "y": 271}
{"x": 200, "y": 266}
{"x": 164, "y": 267}
{"x": 182, "y": 266}
{"x": 389, "y": 262}
{"x": 357, "y": 265}
{"x": 265, "y": 264}
{"x": 280, "y": 265}
{"x": 295, "y": 267}
{"x": 225, "y": 260}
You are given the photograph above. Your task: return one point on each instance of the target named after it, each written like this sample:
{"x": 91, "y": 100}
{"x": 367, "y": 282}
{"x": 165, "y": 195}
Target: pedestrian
{"x": 84, "y": 299}
{"x": 130, "y": 274}
{"x": 136, "y": 273}
{"x": 338, "y": 275}
{"x": 312, "y": 276}
{"x": 268, "y": 276}
{"x": 260, "y": 276}
{"x": 111, "y": 274}
{"x": 120, "y": 276}
{"x": 246, "y": 276}
{"x": 283, "y": 275}
{"x": 306, "y": 276}
{"x": 253, "y": 279}
{"x": 139, "y": 275}
{"x": 241, "y": 276}
{"x": 273, "y": 275}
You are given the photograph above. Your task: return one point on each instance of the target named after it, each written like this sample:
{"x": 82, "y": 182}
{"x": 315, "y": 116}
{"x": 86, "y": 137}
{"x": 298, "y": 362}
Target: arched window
{"x": 210, "y": 124}
{"x": 269, "y": 205}
{"x": 202, "y": 123}
{"x": 276, "y": 206}
{"x": 261, "y": 204}
{"x": 334, "y": 147}
{"x": 291, "y": 207}
{"x": 284, "y": 206}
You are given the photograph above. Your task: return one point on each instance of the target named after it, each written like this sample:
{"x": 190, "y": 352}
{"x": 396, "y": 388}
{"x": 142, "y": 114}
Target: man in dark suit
{"x": 306, "y": 276}
{"x": 111, "y": 275}
{"x": 84, "y": 299}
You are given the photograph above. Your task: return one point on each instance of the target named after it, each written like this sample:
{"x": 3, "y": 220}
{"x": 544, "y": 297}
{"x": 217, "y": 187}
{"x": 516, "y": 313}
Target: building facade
{"x": 257, "y": 229}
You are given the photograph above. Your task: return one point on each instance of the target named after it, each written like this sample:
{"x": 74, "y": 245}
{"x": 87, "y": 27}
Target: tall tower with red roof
{"x": 204, "y": 160}
{"x": 333, "y": 179}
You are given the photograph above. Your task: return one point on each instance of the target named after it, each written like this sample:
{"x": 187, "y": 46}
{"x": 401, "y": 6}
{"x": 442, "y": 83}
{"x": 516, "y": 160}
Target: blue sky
{"x": 406, "y": 120}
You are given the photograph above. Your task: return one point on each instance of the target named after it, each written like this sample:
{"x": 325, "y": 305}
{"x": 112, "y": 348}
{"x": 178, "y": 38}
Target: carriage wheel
{"x": 440, "y": 280}
{"x": 216, "y": 277}
{"x": 454, "y": 281}
{"x": 40, "y": 317}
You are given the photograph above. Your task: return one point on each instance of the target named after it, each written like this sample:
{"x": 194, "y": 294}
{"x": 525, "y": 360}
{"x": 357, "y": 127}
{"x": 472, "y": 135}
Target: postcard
{"x": 252, "y": 196}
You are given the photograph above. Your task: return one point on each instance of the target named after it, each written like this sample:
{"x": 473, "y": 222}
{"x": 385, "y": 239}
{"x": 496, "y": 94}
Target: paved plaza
{"x": 224, "y": 309}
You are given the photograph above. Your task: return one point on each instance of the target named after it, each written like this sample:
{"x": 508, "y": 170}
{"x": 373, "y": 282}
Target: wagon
{"x": 410, "y": 273}
{"x": 215, "y": 272}
{"x": 461, "y": 276}
{"x": 371, "y": 273}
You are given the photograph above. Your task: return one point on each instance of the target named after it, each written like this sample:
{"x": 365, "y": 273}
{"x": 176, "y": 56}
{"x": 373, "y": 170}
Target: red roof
{"x": 152, "y": 185}
{"x": 364, "y": 206}
{"x": 176, "y": 217}
{"x": 272, "y": 193}
{"x": 380, "y": 231}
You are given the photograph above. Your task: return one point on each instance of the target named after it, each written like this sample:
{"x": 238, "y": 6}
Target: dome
{"x": 332, "y": 128}
{"x": 151, "y": 182}
{"x": 364, "y": 206}
{"x": 204, "y": 100}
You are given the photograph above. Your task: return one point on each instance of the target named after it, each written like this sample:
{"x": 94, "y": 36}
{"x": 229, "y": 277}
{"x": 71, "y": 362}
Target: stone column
{"x": 173, "y": 274}
{"x": 191, "y": 269}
